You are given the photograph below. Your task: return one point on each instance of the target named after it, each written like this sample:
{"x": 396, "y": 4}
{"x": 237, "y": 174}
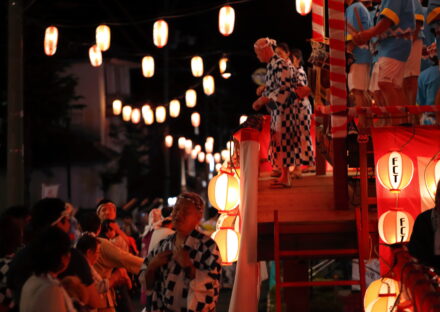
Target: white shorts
{"x": 373, "y": 87}
{"x": 359, "y": 77}
{"x": 412, "y": 66}
{"x": 390, "y": 70}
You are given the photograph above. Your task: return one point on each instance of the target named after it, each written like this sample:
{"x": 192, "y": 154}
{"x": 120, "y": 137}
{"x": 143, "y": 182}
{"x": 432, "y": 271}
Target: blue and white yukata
{"x": 284, "y": 148}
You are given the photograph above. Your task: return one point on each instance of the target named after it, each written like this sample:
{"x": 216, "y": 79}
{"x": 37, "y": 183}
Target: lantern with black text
{"x": 117, "y": 107}
{"x": 224, "y": 192}
{"x": 95, "y": 56}
{"x": 208, "y": 85}
{"x": 50, "y": 40}
{"x": 395, "y": 226}
{"x": 103, "y": 37}
{"x": 161, "y": 114}
{"x": 381, "y": 288}
{"x": 174, "y": 108}
{"x": 197, "y": 66}
{"x": 160, "y": 33}
{"x": 432, "y": 176}
{"x": 226, "y": 20}
{"x": 148, "y": 66}
{"x": 303, "y": 7}
{"x": 228, "y": 242}
{"x": 395, "y": 171}
{"x": 191, "y": 98}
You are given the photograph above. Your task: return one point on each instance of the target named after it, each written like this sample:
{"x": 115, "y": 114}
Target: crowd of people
{"x": 50, "y": 262}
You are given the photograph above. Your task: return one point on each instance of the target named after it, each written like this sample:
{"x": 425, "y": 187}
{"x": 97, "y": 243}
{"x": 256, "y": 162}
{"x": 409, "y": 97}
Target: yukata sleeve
{"x": 418, "y": 12}
{"x": 283, "y": 78}
{"x": 433, "y": 11}
{"x": 204, "y": 289}
{"x": 391, "y": 10}
{"x": 421, "y": 98}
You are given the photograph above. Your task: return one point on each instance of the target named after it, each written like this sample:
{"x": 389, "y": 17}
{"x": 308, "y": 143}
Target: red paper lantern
{"x": 395, "y": 171}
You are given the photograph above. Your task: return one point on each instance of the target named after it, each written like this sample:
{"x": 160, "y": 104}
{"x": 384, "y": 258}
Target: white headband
{"x": 268, "y": 42}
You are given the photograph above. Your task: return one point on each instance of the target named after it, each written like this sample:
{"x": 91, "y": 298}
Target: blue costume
{"x": 362, "y": 54}
{"x": 433, "y": 19}
{"x": 428, "y": 86}
{"x": 428, "y": 39}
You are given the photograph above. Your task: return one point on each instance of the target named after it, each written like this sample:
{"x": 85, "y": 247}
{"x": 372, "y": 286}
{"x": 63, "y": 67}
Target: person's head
{"x": 154, "y": 216}
{"x": 50, "y": 251}
{"x": 11, "y": 235}
{"x": 108, "y": 229}
{"x": 187, "y": 212}
{"x": 90, "y": 247}
{"x": 50, "y": 212}
{"x": 106, "y": 210}
{"x": 283, "y": 50}
{"x": 368, "y": 3}
{"x": 297, "y": 57}
{"x": 89, "y": 222}
{"x": 263, "y": 48}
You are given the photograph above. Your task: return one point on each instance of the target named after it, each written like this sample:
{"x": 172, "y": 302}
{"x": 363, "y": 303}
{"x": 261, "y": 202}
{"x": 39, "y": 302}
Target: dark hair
{"x": 284, "y": 46}
{"x": 104, "y": 201}
{"x": 89, "y": 222}
{"x": 194, "y": 198}
{"x": 44, "y": 212}
{"x": 105, "y": 227}
{"x": 87, "y": 242}
{"x": 166, "y": 212}
{"x": 11, "y": 235}
{"x": 298, "y": 54}
{"x": 48, "y": 249}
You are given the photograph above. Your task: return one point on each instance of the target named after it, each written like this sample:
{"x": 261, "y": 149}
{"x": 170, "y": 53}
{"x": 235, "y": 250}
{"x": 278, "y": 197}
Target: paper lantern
{"x": 169, "y": 141}
{"x": 161, "y": 114}
{"x": 432, "y": 176}
{"x": 136, "y": 115}
{"x": 103, "y": 37}
{"x": 209, "y": 146}
{"x": 224, "y": 192}
{"x": 181, "y": 142}
{"x": 208, "y": 85}
{"x": 210, "y": 139}
{"x": 174, "y": 108}
{"x": 147, "y": 114}
{"x": 198, "y": 148}
{"x": 201, "y": 157}
{"x": 226, "y": 20}
{"x": 209, "y": 158}
{"x": 395, "y": 226}
{"x": 195, "y": 119}
{"x": 197, "y": 66}
{"x": 228, "y": 242}
{"x": 160, "y": 33}
{"x": 95, "y": 56}
{"x": 384, "y": 287}
{"x": 217, "y": 157}
{"x": 50, "y": 40}
{"x": 218, "y": 167}
{"x": 225, "y": 155}
{"x": 126, "y": 113}
{"x": 194, "y": 154}
{"x": 230, "y": 145}
{"x": 395, "y": 171}
{"x": 303, "y": 7}
{"x": 243, "y": 118}
{"x": 148, "y": 66}
{"x": 117, "y": 107}
{"x": 223, "y": 65}
{"x": 191, "y": 98}
{"x": 188, "y": 146}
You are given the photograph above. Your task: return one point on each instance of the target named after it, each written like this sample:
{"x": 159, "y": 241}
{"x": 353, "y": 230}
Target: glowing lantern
{"x": 145, "y": 109}
{"x": 303, "y": 7}
{"x": 50, "y": 40}
{"x": 147, "y": 114}
{"x": 209, "y": 158}
{"x": 148, "y": 66}
{"x": 174, "y": 108}
{"x": 243, "y": 118}
{"x": 226, "y": 20}
{"x": 194, "y": 154}
{"x": 126, "y": 113}
{"x": 209, "y": 146}
{"x": 117, "y": 107}
{"x": 395, "y": 226}
{"x": 224, "y": 192}
{"x": 217, "y": 157}
{"x": 169, "y": 141}
{"x": 103, "y": 37}
{"x": 384, "y": 287}
{"x": 198, "y": 148}
{"x": 432, "y": 176}
{"x": 228, "y": 242}
{"x": 223, "y": 66}
{"x": 188, "y": 146}
{"x": 195, "y": 119}
{"x": 208, "y": 85}
{"x": 210, "y": 139}
{"x": 181, "y": 142}
{"x": 136, "y": 115}
{"x": 197, "y": 66}
{"x": 201, "y": 157}
{"x": 191, "y": 98}
{"x": 225, "y": 155}
{"x": 230, "y": 145}
{"x": 160, "y": 33}
{"x": 218, "y": 167}
{"x": 395, "y": 171}
{"x": 161, "y": 114}
{"x": 95, "y": 56}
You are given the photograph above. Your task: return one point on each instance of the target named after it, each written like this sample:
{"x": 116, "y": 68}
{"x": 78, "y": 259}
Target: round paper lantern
{"x": 228, "y": 242}
{"x": 174, "y": 108}
{"x": 147, "y": 114}
{"x": 209, "y": 146}
{"x": 160, "y": 33}
{"x": 197, "y": 66}
{"x": 209, "y": 158}
{"x": 117, "y": 107}
{"x": 243, "y": 118}
{"x": 95, "y": 56}
{"x": 136, "y": 115}
{"x": 198, "y": 148}
{"x": 432, "y": 176}
{"x": 201, "y": 157}
{"x": 191, "y": 98}
{"x": 103, "y": 37}
{"x": 384, "y": 287}
{"x": 208, "y": 85}
{"x": 303, "y": 7}
{"x": 169, "y": 141}
{"x": 210, "y": 139}
{"x": 226, "y": 20}
{"x": 188, "y": 146}
{"x": 181, "y": 142}
{"x": 126, "y": 113}
{"x": 194, "y": 154}
{"x": 161, "y": 114}
{"x": 50, "y": 40}
{"x": 195, "y": 119}
{"x": 395, "y": 171}
{"x": 218, "y": 167}
{"x": 148, "y": 66}
{"x": 224, "y": 192}
{"x": 395, "y": 226}
{"x": 225, "y": 154}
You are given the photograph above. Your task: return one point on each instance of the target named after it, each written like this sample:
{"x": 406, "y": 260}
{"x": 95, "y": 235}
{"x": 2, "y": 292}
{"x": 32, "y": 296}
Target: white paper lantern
{"x": 103, "y": 37}
{"x": 197, "y": 66}
{"x": 50, "y": 40}
{"x": 208, "y": 85}
{"x": 148, "y": 66}
{"x": 226, "y": 20}
{"x": 160, "y": 33}
{"x": 95, "y": 56}
{"x": 191, "y": 98}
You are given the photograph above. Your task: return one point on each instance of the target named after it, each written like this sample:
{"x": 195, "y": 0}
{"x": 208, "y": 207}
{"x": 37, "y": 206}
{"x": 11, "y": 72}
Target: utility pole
{"x": 15, "y": 146}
